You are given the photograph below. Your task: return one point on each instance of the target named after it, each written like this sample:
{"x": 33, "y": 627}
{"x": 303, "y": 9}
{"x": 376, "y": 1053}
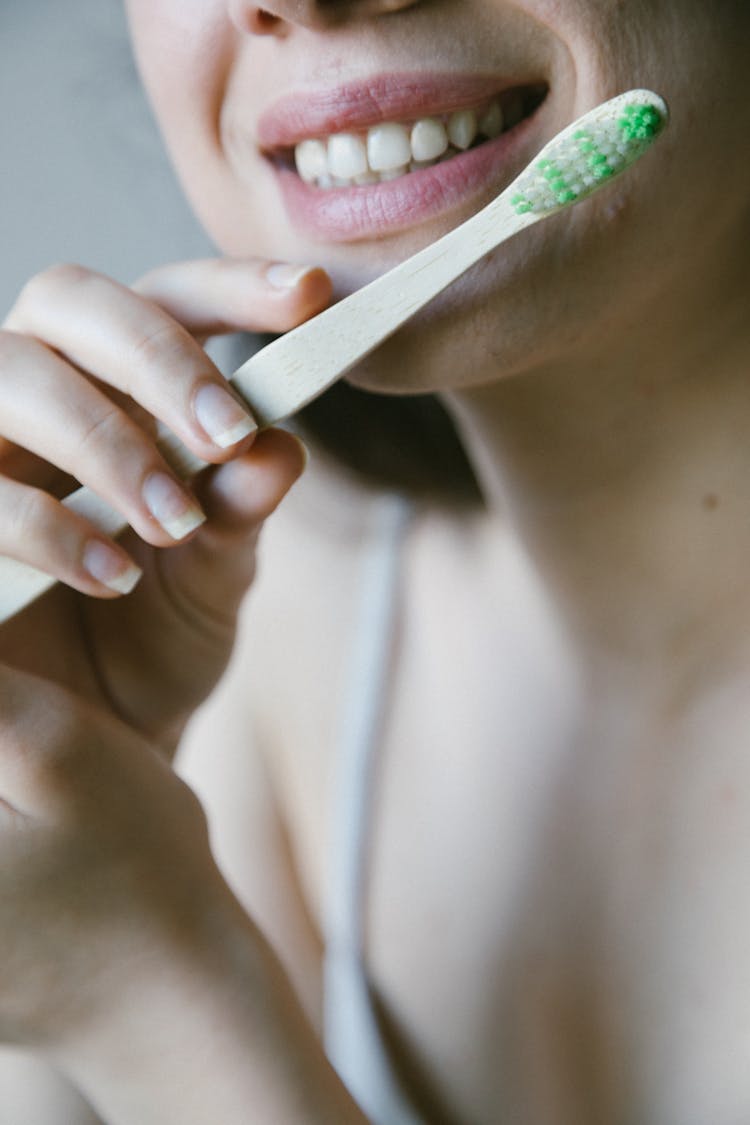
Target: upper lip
{"x": 382, "y": 97}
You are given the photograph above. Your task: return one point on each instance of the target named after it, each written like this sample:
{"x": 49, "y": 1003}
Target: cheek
{"x": 553, "y": 295}
{"x": 183, "y": 51}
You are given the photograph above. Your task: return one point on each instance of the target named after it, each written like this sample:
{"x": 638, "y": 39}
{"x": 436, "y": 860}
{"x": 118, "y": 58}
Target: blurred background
{"x": 82, "y": 174}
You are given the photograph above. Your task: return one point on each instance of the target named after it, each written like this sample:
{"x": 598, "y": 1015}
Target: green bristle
{"x": 576, "y": 163}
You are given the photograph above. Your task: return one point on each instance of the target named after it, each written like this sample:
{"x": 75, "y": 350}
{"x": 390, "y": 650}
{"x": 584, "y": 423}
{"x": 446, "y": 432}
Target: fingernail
{"x": 171, "y": 506}
{"x": 108, "y": 566}
{"x": 284, "y": 275}
{"x": 221, "y": 416}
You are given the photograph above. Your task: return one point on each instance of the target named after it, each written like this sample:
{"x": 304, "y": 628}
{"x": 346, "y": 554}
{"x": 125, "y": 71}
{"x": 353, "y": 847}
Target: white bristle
{"x": 590, "y": 151}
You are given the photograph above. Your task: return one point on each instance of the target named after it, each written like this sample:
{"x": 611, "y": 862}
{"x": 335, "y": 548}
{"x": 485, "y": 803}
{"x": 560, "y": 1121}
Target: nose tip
{"x": 276, "y": 16}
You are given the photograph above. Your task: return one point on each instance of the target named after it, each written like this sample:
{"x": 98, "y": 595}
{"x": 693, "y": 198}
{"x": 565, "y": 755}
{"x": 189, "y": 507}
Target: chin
{"x": 475, "y": 332}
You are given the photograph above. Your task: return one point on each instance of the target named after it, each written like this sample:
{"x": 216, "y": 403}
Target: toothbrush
{"x": 297, "y": 367}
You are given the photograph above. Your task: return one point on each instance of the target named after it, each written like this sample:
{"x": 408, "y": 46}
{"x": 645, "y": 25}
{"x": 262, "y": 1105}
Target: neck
{"x": 629, "y": 484}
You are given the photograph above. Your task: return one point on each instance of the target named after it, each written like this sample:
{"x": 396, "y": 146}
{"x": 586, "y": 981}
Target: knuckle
{"x": 18, "y": 351}
{"x": 33, "y": 515}
{"x": 110, "y": 430}
{"x": 65, "y": 273}
{"x": 11, "y": 346}
{"x": 165, "y": 345}
{"x": 39, "y": 288}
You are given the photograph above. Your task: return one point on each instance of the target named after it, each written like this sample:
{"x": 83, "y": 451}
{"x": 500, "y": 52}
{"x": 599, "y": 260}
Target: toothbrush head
{"x": 592, "y": 150}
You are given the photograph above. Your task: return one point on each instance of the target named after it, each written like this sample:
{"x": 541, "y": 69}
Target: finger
{"x": 38, "y": 530}
{"x": 19, "y": 464}
{"x": 215, "y": 296}
{"x": 52, "y": 410}
{"x": 129, "y": 343}
{"x": 212, "y": 573}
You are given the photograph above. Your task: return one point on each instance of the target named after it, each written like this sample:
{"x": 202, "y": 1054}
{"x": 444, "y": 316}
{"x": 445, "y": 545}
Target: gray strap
{"x": 352, "y": 1036}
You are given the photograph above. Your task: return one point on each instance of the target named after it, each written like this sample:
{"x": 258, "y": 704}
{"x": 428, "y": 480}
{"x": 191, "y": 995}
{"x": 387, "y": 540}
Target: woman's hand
{"x": 124, "y": 957}
{"x": 86, "y": 365}
{"x": 104, "y": 862}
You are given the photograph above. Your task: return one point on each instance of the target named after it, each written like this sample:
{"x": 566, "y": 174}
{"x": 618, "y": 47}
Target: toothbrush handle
{"x": 297, "y": 367}
{"x": 292, "y": 370}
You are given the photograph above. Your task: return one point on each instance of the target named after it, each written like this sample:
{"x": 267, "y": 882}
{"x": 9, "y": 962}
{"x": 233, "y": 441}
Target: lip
{"x": 356, "y": 213}
{"x": 384, "y": 97}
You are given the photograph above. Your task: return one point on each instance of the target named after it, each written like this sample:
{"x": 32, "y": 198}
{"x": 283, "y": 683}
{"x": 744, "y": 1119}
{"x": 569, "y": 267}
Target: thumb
{"x": 168, "y": 642}
{"x": 218, "y": 295}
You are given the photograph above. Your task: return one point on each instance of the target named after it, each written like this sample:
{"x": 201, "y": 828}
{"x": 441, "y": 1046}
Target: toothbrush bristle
{"x": 594, "y": 149}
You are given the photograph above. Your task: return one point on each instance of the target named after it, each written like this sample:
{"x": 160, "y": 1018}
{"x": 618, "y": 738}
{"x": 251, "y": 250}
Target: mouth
{"x": 391, "y": 149}
{"x": 355, "y": 164}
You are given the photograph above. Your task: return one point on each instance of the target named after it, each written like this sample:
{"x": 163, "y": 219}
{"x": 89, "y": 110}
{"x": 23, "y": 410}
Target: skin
{"x": 596, "y": 368}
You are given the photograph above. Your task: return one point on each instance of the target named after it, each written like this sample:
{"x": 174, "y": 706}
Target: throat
{"x": 633, "y": 509}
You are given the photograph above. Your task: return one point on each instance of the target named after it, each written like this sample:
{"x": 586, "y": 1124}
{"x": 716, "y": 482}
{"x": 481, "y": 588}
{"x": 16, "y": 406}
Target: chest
{"x": 549, "y": 908}
{"x": 453, "y": 769}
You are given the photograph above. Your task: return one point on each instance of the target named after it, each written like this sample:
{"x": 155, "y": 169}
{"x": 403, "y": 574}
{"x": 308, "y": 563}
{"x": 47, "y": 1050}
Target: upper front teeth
{"x": 391, "y": 149}
{"x": 428, "y": 139}
{"x": 345, "y": 156}
{"x": 388, "y": 148}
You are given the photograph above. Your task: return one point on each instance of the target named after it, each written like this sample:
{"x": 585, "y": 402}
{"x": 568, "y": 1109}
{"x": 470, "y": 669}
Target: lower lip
{"x": 357, "y": 213}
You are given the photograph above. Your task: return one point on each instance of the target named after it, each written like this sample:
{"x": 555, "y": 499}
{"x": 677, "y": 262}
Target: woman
{"x": 528, "y": 860}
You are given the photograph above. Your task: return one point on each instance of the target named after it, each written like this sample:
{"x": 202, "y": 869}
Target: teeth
{"x": 393, "y": 173}
{"x": 390, "y": 149}
{"x": 312, "y": 160}
{"x": 347, "y": 156}
{"x": 491, "y": 121}
{"x": 428, "y": 139}
{"x": 462, "y": 128}
{"x": 418, "y": 165}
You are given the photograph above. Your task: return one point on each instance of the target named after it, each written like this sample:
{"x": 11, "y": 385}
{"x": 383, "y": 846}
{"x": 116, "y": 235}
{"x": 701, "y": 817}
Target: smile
{"x": 391, "y": 149}
{"x": 379, "y": 156}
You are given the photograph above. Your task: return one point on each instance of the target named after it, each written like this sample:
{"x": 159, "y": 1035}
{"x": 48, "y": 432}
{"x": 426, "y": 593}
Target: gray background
{"x": 82, "y": 174}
